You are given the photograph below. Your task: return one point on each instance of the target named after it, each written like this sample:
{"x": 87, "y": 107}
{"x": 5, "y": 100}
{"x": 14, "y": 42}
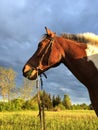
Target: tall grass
{"x": 62, "y": 120}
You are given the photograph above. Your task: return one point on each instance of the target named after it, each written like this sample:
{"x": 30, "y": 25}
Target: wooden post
{"x": 40, "y": 105}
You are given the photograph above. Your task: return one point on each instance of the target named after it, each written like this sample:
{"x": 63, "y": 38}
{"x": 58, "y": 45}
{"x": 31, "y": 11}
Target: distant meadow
{"x": 58, "y": 120}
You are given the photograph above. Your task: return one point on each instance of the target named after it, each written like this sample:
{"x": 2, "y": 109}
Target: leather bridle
{"x": 40, "y": 62}
{"x": 46, "y": 50}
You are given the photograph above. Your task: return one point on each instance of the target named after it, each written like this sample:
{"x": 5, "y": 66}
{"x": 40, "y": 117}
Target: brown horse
{"x": 78, "y": 52}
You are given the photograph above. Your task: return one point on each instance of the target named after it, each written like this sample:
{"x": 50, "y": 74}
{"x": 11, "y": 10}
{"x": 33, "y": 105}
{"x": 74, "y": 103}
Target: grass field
{"x": 61, "y": 120}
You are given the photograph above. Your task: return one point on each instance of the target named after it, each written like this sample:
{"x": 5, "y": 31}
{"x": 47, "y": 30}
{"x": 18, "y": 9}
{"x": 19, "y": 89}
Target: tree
{"x": 7, "y": 82}
{"x": 84, "y": 106}
{"x": 67, "y": 101}
{"x": 46, "y": 99}
{"x": 17, "y": 104}
{"x": 56, "y": 100}
{"x": 91, "y": 107}
{"x": 27, "y": 89}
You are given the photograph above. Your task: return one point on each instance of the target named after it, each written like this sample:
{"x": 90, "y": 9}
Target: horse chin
{"x": 33, "y": 75}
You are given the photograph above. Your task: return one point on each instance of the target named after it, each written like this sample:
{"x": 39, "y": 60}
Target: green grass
{"x": 62, "y": 120}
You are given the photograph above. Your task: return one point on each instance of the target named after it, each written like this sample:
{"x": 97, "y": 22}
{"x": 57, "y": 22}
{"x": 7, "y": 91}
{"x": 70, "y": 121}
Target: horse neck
{"x": 76, "y": 60}
{"x": 85, "y": 71}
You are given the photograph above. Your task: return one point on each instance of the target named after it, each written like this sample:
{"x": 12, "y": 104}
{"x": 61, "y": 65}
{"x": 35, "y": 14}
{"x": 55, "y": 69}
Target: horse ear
{"x": 50, "y": 33}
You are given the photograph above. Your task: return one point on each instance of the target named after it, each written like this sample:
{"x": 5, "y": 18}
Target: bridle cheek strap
{"x": 49, "y": 46}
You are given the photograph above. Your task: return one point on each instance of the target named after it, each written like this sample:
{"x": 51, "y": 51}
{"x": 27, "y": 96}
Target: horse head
{"x": 49, "y": 54}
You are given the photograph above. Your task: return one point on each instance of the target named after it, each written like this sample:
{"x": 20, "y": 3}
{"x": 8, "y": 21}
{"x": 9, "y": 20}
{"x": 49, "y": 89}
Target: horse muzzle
{"x": 30, "y": 72}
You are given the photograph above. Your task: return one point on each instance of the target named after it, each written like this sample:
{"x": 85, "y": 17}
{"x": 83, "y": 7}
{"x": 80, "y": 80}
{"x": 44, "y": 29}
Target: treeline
{"x": 55, "y": 104}
{"x": 23, "y": 97}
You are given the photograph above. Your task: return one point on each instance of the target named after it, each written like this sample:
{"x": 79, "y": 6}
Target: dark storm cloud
{"x": 22, "y": 24}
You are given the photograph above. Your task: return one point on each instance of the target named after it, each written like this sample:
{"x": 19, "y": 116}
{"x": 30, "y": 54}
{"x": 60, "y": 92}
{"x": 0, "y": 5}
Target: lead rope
{"x": 40, "y": 103}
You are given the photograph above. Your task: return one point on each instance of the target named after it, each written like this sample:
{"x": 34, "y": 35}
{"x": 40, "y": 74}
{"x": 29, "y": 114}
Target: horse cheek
{"x": 54, "y": 59}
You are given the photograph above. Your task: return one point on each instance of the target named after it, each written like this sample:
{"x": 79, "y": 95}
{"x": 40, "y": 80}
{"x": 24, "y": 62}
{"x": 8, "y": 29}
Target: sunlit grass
{"x": 61, "y": 120}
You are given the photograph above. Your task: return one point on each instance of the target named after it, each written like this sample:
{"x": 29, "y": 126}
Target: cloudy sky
{"x": 22, "y": 24}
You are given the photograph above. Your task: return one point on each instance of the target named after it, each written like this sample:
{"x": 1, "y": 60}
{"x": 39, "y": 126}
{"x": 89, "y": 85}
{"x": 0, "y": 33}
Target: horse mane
{"x": 82, "y": 37}
{"x": 88, "y": 38}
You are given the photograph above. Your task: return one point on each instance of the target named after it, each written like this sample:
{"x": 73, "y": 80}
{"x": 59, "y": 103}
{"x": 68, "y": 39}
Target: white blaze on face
{"x": 92, "y": 53}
